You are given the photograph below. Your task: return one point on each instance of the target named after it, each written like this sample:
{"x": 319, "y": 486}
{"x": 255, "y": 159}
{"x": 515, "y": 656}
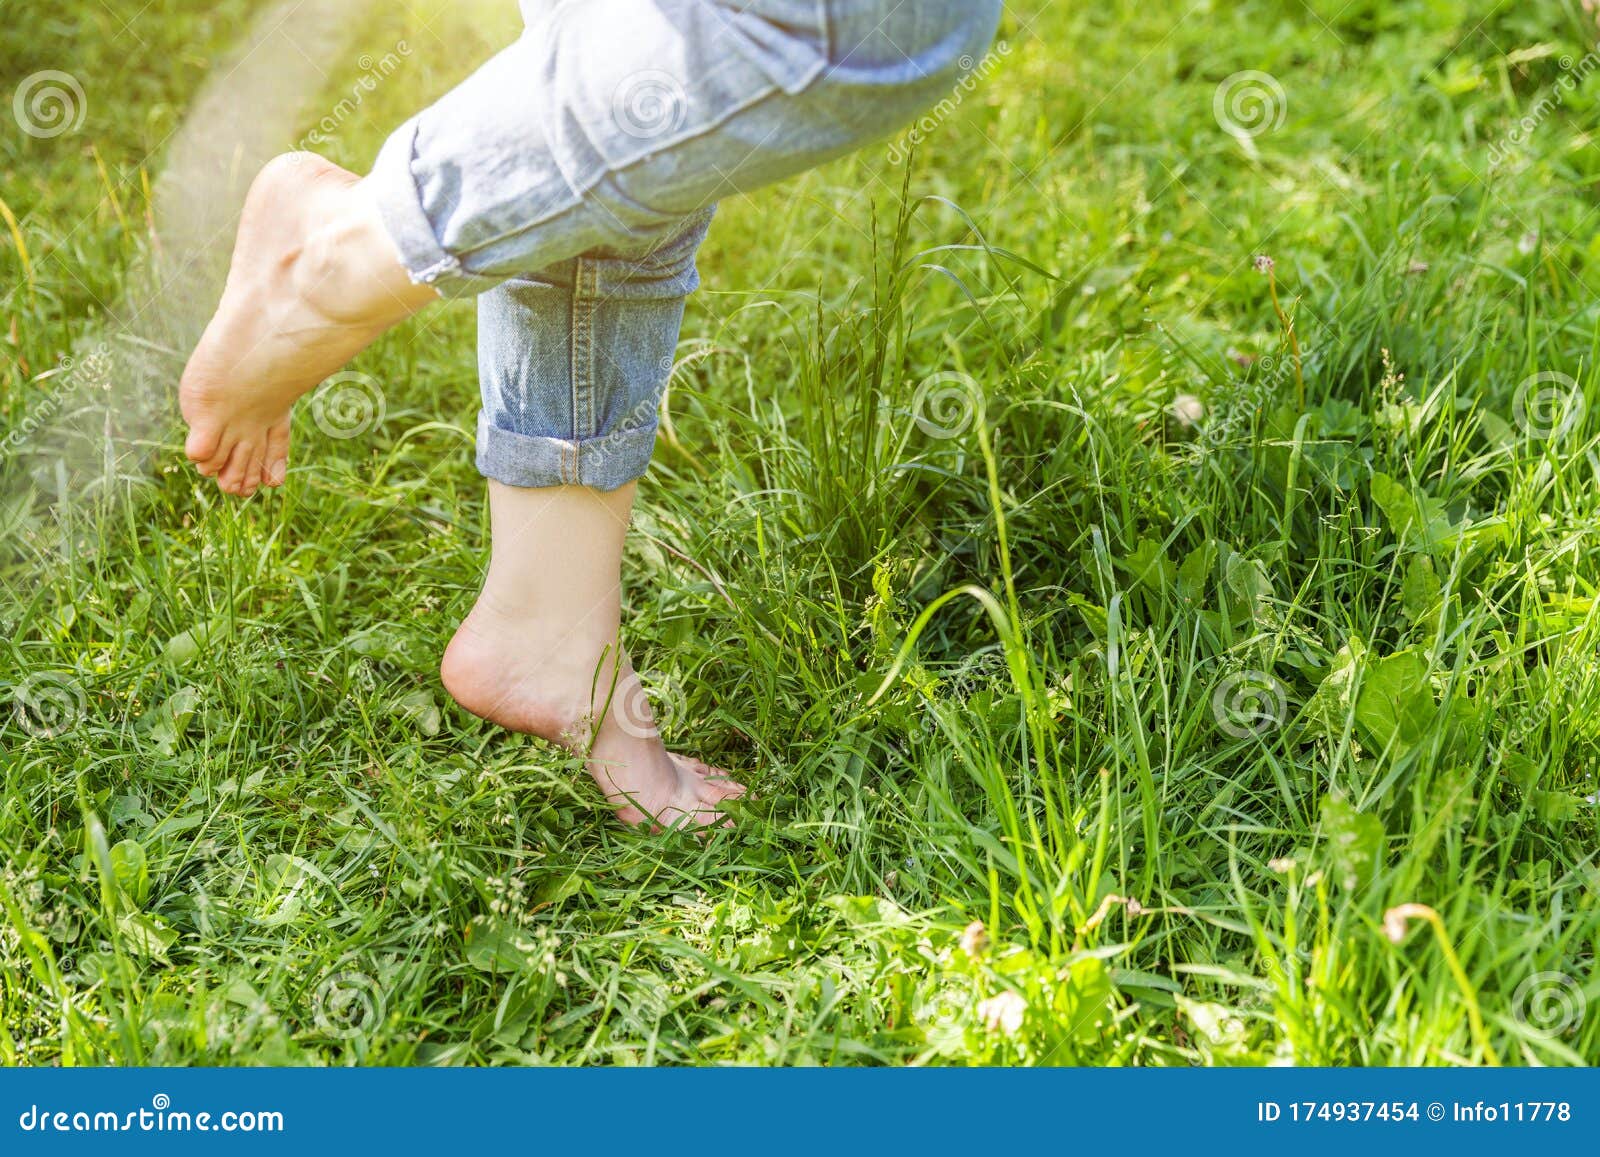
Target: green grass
{"x": 1186, "y": 707}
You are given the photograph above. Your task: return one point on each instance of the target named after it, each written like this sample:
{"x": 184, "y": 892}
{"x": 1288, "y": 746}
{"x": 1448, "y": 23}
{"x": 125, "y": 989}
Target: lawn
{"x": 1141, "y": 550}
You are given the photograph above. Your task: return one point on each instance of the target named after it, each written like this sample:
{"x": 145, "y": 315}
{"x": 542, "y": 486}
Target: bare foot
{"x": 314, "y": 281}
{"x": 541, "y": 679}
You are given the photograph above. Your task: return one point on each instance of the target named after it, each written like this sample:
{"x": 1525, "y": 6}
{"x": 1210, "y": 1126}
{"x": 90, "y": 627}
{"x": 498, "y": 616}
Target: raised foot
{"x": 499, "y": 673}
{"x": 314, "y": 280}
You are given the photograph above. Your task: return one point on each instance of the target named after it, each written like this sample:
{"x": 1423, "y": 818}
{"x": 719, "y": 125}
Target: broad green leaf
{"x": 560, "y": 888}
{"x": 420, "y": 707}
{"x": 1149, "y": 566}
{"x": 184, "y": 647}
{"x": 495, "y": 945}
{"x": 1499, "y": 432}
{"x": 1521, "y": 770}
{"x": 869, "y": 912}
{"x": 1558, "y": 807}
{"x": 1337, "y": 418}
{"x": 1247, "y": 578}
{"x": 171, "y": 719}
{"x": 1472, "y": 538}
{"x": 1398, "y": 506}
{"x": 146, "y": 935}
{"x": 1196, "y": 569}
{"x": 131, "y": 871}
{"x": 1082, "y": 997}
{"x": 1217, "y": 1029}
{"x": 1564, "y": 612}
{"x": 1094, "y": 616}
{"x": 1417, "y": 521}
{"x": 1355, "y": 843}
{"x": 1331, "y": 706}
{"x": 290, "y": 879}
{"x": 1420, "y": 591}
{"x": 1467, "y": 721}
{"x": 1396, "y": 705}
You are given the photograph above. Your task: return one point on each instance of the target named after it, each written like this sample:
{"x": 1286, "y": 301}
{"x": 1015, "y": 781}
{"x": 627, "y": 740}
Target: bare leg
{"x": 540, "y": 653}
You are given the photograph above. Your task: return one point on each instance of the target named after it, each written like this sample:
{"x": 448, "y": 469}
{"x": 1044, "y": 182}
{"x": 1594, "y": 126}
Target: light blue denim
{"x": 570, "y": 180}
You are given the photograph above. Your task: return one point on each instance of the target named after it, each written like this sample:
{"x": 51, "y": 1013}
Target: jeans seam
{"x": 584, "y": 304}
{"x": 591, "y": 296}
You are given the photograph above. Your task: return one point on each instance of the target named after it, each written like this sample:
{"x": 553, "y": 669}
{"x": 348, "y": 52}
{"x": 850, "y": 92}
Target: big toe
{"x": 203, "y": 446}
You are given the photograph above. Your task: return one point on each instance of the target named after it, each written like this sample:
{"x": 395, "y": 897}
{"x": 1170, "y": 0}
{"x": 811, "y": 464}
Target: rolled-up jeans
{"x": 571, "y": 179}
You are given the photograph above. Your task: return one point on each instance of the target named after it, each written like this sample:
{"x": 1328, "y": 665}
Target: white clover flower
{"x": 1003, "y": 1013}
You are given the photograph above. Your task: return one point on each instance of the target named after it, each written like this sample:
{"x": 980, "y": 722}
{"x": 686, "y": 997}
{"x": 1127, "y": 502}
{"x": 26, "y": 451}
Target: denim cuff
{"x": 400, "y": 207}
{"x": 608, "y": 462}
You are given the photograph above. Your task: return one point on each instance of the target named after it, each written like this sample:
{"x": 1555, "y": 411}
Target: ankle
{"x": 341, "y": 263}
{"x": 348, "y": 271}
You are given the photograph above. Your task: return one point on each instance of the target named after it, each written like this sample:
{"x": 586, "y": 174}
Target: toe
{"x": 218, "y": 469}
{"x": 238, "y": 468}
{"x": 212, "y": 466}
{"x": 203, "y": 444}
{"x": 252, "y": 477}
{"x": 720, "y": 782}
{"x": 277, "y": 454}
{"x": 695, "y": 766}
{"x": 710, "y": 811}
